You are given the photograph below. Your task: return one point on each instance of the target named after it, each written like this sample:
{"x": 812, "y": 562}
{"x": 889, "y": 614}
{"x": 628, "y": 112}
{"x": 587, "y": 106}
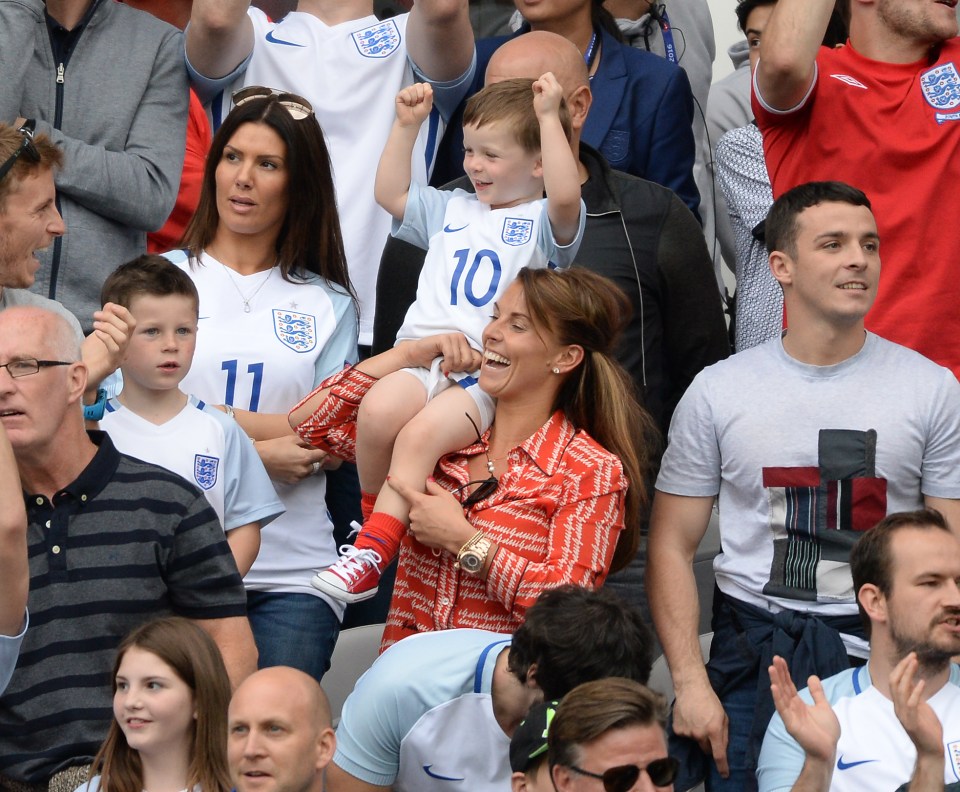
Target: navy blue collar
{"x": 94, "y": 477}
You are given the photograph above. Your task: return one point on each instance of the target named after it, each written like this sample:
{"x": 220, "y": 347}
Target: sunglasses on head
{"x": 27, "y": 148}
{"x": 298, "y": 107}
{"x": 662, "y": 772}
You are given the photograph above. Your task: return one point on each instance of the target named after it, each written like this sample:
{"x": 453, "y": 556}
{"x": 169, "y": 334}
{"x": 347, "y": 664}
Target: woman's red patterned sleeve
{"x": 333, "y": 425}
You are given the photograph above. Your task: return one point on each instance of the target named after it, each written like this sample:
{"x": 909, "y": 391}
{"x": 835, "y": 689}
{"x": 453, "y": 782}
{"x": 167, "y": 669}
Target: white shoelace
{"x": 353, "y": 560}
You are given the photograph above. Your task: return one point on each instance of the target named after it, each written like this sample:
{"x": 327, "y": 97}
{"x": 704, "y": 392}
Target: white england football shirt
{"x": 295, "y": 335}
{"x": 208, "y": 449}
{"x": 474, "y": 253}
{"x": 351, "y": 74}
{"x": 874, "y": 752}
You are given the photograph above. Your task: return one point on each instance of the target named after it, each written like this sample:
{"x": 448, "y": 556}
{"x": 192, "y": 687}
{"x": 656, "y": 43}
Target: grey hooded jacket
{"x": 118, "y": 109}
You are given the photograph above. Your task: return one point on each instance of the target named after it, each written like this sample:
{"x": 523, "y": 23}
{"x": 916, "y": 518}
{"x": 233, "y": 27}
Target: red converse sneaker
{"x": 354, "y": 578}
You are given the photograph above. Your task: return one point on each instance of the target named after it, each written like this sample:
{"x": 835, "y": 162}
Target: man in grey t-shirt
{"x": 808, "y": 440}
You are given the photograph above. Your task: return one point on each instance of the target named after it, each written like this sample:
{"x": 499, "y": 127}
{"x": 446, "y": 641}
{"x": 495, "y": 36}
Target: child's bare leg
{"x": 388, "y": 406}
{"x": 439, "y": 428}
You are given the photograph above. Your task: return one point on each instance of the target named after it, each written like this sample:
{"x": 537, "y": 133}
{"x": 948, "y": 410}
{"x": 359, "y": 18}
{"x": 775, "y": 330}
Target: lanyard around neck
{"x": 659, "y": 13}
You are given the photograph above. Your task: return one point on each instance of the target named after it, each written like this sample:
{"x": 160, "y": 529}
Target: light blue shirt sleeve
{"x": 560, "y": 256}
{"x": 9, "y": 652}
{"x": 378, "y": 714}
{"x": 423, "y": 215}
{"x": 781, "y": 758}
{"x": 248, "y": 493}
{"x": 341, "y": 348}
{"x": 407, "y": 681}
{"x": 178, "y": 256}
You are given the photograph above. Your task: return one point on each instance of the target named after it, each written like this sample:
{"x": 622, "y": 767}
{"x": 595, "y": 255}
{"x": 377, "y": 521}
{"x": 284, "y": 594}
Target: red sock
{"x": 383, "y": 534}
{"x": 367, "y": 501}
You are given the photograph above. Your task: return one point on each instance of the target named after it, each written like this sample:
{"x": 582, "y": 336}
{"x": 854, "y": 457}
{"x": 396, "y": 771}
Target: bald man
{"x": 280, "y": 732}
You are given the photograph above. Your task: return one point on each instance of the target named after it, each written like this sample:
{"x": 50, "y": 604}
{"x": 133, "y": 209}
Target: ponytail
{"x": 602, "y": 401}
{"x": 598, "y": 396}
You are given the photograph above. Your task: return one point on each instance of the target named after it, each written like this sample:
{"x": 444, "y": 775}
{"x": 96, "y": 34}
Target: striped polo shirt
{"x": 124, "y": 543}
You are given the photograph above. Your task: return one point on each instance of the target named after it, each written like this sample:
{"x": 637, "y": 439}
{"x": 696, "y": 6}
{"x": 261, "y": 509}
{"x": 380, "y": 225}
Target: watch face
{"x": 471, "y": 563}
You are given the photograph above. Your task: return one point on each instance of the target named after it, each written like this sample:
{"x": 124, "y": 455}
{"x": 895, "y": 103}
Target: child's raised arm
{"x": 561, "y": 178}
{"x": 393, "y": 173}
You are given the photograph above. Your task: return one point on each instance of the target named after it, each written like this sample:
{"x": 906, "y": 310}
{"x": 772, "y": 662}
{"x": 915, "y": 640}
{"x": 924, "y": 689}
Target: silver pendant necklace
{"x": 246, "y": 300}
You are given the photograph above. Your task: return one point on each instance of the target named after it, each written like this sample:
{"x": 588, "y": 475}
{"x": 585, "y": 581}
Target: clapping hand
{"x": 814, "y": 726}
{"x": 914, "y": 713}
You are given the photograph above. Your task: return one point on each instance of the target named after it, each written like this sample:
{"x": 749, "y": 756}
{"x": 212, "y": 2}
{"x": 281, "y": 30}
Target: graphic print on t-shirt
{"x": 817, "y": 513}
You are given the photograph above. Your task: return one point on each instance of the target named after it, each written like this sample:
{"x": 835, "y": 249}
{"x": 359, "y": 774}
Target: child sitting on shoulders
{"x": 153, "y": 420}
{"x": 516, "y": 146}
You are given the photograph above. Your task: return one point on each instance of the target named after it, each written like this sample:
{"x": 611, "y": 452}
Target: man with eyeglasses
{"x": 436, "y": 710}
{"x": 113, "y": 542}
{"x": 610, "y": 734}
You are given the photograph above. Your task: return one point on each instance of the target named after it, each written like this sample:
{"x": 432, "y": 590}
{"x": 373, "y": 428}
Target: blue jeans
{"x": 739, "y": 705}
{"x": 297, "y": 630}
{"x": 695, "y": 766}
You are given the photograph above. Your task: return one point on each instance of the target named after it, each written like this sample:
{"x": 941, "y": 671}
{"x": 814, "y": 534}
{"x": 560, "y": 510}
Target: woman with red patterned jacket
{"x": 543, "y": 498}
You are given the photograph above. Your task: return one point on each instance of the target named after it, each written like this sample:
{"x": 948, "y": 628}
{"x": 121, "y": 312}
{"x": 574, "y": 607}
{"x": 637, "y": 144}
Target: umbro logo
{"x": 853, "y": 82}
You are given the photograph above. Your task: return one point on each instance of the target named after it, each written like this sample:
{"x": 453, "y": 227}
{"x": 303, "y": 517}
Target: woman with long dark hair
{"x": 277, "y": 316}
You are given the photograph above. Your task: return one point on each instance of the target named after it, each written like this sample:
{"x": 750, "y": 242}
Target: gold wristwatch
{"x": 473, "y": 554}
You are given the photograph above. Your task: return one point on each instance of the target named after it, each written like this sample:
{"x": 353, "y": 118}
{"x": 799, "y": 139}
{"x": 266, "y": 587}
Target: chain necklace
{"x": 246, "y": 300}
